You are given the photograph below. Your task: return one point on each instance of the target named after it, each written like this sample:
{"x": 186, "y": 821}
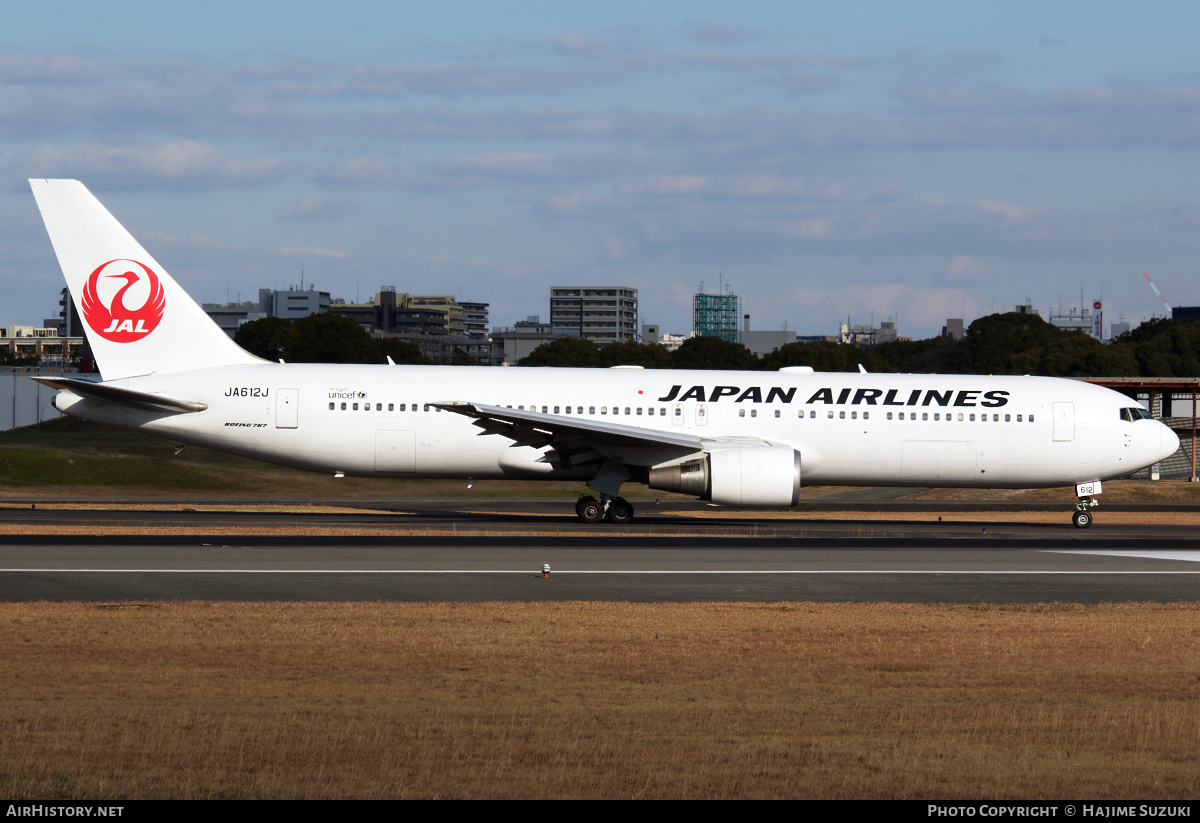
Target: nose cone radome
{"x": 1168, "y": 442}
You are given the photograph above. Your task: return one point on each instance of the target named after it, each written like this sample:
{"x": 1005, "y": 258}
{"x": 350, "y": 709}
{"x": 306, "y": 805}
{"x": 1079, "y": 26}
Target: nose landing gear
{"x": 1082, "y": 518}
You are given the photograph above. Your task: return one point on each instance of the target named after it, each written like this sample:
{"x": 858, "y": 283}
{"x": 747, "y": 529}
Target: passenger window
{"x": 378, "y": 407}
{"x": 331, "y": 407}
{"x": 936, "y": 416}
{"x": 901, "y": 415}
{"x": 995, "y": 418}
{"x": 754, "y": 412}
{"x": 777, "y": 412}
{"x": 1031, "y": 418}
{"x": 639, "y": 409}
{"x": 555, "y": 409}
{"x": 972, "y": 418}
{"x": 591, "y": 409}
{"x": 391, "y": 406}
{"x": 543, "y": 410}
{"x": 579, "y": 409}
{"x": 343, "y": 407}
{"x": 924, "y": 415}
{"x": 1018, "y": 418}
{"x": 853, "y": 415}
{"x": 355, "y": 408}
{"x": 831, "y": 414}
{"x": 889, "y": 417}
{"x": 1008, "y": 418}
{"x": 678, "y": 411}
{"x": 627, "y": 410}
{"x": 866, "y": 415}
{"x": 604, "y": 409}
{"x": 426, "y": 407}
{"x": 741, "y": 412}
{"x": 960, "y": 415}
{"x": 841, "y": 415}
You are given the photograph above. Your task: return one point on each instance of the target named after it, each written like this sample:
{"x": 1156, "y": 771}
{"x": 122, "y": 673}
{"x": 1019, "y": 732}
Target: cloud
{"x": 357, "y": 171}
{"x": 964, "y": 268}
{"x": 314, "y": 251}
{"x": 179, "y": 165}
{"x": 712, "y": 33}
{"x": 315, "y": 208}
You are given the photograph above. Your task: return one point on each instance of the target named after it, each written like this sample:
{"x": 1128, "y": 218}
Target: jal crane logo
{"x": 123, "y": 311}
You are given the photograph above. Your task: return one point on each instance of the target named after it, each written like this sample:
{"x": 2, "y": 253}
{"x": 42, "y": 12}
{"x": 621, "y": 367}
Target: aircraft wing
{"x": 576, "y": 438}
{"x": 120, "y": 396}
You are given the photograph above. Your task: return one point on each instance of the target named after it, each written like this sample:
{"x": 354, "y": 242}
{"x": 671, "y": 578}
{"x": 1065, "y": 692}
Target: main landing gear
{"x": 616, "y": 510}
{"x": 1082, "y": 518}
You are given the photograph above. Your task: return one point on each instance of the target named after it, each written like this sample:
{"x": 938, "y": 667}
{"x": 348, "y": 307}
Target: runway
{"x": 1162, "y": 568}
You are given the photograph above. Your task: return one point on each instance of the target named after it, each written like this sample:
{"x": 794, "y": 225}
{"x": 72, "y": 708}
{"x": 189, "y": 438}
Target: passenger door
{"x": 287, "y": 408}
{"x": 1064, "y": 422}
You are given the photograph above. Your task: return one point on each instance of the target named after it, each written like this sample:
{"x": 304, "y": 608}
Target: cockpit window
{"x": 1135, "y": 413}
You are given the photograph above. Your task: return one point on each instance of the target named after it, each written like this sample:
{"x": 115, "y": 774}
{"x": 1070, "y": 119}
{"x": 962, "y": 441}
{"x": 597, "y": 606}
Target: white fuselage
{"x": 850, "y": 429}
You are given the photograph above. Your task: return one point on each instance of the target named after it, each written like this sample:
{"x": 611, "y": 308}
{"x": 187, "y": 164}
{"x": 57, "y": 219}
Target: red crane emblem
{"x": 113, "y": 319}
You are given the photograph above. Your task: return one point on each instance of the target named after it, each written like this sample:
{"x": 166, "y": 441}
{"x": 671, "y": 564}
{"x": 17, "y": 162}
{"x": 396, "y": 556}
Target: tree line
{"x": 1009, "y": 343}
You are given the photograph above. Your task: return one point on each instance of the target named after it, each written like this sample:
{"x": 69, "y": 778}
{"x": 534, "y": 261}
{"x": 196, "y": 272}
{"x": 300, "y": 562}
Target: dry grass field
{"x": 612, "y": 700}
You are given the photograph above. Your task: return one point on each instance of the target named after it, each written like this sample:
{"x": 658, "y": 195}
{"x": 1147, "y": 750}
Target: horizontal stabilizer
{"x": 120, "y": 396}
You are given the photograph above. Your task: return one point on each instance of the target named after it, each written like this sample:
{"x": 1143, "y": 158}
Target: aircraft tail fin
{"x": 136, "y": 317}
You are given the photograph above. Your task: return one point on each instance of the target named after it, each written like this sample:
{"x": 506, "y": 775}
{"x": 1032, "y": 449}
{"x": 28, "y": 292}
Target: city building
{"x": 868, "y": 336}
{"x": 765, "y": 342}
{"x": 511, "y": 343}
{"x": 475, "y": 316}
{"x": 293, "y": 303}
{"x": 602, "y": 314}
{"x": 953, "y": 328}
{"x": 1085, "y": 320}
{"x": 67, "y": 323}
{"x": 50, "y": 349}
{"x": 1182, "y": 314}
{"x": 230, "y": 316}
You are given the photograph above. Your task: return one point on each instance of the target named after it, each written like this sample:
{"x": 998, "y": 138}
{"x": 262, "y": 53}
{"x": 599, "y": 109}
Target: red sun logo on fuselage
{"x": 106, "y": 301}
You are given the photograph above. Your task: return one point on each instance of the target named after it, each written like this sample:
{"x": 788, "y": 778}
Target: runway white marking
{"x": 559, "y": 572}
{"x": 1149, "y": 554}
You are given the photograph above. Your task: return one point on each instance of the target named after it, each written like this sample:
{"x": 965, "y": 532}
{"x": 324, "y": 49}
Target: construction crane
{"x": 1156, "y": 291}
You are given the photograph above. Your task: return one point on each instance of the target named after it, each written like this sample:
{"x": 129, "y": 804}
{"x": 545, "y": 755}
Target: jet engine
{"x": 753, "y": 476}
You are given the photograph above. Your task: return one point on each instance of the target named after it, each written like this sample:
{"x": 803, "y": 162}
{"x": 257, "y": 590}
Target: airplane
{"x": 743, "y": 439}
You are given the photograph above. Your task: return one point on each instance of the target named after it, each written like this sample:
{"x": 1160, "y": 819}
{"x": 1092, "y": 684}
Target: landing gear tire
{"x": 589, "y": 510}
{"x": 1082, "y": 519}
{"x": 619, "y": 512}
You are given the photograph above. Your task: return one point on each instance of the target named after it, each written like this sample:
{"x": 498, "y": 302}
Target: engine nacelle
{"x": 754, "y": 476}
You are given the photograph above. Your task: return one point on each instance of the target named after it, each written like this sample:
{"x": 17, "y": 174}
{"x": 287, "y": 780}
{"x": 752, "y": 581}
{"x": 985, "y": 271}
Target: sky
{"x": 860, "y": 160}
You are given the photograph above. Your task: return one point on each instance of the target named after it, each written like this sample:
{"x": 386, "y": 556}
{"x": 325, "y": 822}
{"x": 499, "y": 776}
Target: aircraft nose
{"x": 1168, "y": 442}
